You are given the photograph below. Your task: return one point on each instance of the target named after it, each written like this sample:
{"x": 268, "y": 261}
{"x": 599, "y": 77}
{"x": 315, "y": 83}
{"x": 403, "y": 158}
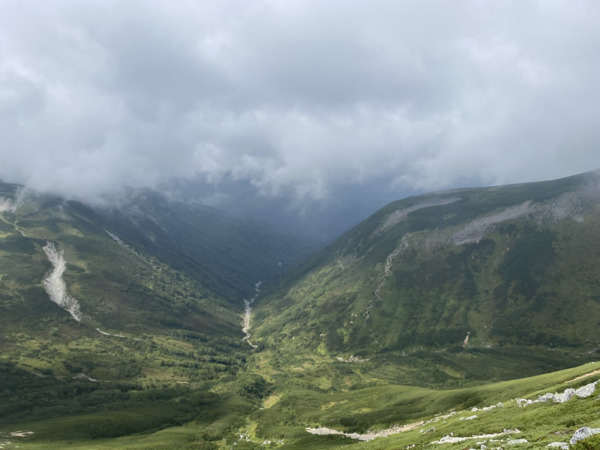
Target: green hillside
{"x": 225, "y": 253}
{"x": 125, "y": 312}
{"x": 507, "y": 266}
{"x": 122, "y": 327}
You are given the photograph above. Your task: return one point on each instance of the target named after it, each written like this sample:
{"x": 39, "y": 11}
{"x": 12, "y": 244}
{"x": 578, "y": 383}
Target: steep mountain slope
{"x": 490, "y": 267}
{"x": 119, "y": 327}
{"x": 135, "y": 310}
{"x": 227, "y": 254}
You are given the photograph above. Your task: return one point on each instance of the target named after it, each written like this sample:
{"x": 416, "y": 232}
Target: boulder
{"x": 583, "y": 433}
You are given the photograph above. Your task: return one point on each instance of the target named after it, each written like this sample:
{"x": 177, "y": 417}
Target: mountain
{"x": 134, "y": 309}
{"x": 429, "y": 303}
{"x": 322, "y": 219}
{"x": 451, "y": 319}
{"x": 225, "y": 252}
{"x": 482, "y": 267}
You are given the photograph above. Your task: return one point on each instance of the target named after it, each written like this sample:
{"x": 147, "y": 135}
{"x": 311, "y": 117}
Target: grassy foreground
{"x": 267, "y": 416}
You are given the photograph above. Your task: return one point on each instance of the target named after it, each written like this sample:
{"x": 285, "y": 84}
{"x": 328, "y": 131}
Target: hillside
{"x": 426, "y": 325}
{"x": 488, "y": 267}
{"x": 227, "y": 254}
{"x": 136, "y": 309}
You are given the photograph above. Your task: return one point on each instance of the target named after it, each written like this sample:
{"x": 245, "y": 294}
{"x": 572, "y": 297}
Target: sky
{"x": 299, "y": 102}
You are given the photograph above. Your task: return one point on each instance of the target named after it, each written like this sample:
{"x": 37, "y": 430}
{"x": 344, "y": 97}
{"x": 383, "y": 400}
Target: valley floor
{"x": 533, "y": 412}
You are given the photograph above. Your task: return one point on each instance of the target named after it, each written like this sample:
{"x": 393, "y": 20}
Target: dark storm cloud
{"x": 298, "y": 97}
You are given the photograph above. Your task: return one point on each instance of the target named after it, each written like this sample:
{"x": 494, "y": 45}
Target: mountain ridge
{"x": 457, "y": 238}
{"x": 424, "y": 310}
{"x": 113, "y": 311}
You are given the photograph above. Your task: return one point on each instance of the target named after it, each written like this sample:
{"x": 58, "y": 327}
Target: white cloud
{"x": 298, "y": 96}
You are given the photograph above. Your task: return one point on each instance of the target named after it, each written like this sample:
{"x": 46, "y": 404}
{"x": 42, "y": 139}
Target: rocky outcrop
{"x": 55, "y": 285}
{"x": 568, "y": 394}
{"x": 583, "y": 433}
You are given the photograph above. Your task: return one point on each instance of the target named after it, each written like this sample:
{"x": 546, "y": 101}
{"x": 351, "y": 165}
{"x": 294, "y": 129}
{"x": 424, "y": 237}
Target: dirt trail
{"x": 387, "y": 271}
{"x": 581, "y": 377}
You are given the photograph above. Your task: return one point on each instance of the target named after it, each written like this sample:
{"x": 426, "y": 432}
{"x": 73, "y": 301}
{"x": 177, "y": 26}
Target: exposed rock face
{"x": 55, "y": 285}
{"x": 366, "y": 437}
{"x": 5, "y": 204}
{"x": 568, "y": 394}
{"x": 400, "y": 214}
{"x": 583, "y": 433}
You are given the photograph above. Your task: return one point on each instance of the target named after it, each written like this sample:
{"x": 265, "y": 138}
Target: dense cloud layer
{"x": 297, "y": 97}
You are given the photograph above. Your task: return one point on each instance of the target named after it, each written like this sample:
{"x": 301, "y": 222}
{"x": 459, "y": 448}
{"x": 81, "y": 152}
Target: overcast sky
{"x": 297, "y": 98}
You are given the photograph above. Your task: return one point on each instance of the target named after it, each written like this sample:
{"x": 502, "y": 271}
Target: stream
{"x": 247, "y": 314}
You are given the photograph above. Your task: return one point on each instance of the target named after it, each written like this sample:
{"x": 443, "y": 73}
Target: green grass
{"x": 529, "y": 281}
{"x": 179, "y": 375}
{"x": 381, "y": 407}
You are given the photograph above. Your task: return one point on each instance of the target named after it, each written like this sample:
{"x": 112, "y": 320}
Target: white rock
{"x": 473, "y": 417}
{"x": 54, "y": 284}
{"x": 583, "y": 433}
{"x": 568, "y": 394}
{"x": 523, "y": 402}
{"x": 586, "y": 391}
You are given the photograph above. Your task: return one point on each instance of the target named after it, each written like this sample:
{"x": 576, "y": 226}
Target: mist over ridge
{"x": 297, "y": 103}
{"x": 299, "y": 224}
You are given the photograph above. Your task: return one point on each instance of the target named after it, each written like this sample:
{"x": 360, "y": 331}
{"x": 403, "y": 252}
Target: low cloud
{"x": 296, "y": 98}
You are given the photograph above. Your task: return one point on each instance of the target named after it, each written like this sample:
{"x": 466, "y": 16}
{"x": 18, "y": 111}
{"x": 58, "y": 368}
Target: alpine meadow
{"x": 465, "y": 318}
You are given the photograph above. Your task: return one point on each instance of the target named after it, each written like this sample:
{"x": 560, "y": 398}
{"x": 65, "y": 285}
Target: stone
{"x": 583, "y": 433}
{"x": 586, "y": 390}
{"x": 560, "y": 445}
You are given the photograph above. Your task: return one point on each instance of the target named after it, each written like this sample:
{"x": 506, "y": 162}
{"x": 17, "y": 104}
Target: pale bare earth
{"x": 457, "y": 439}
{"x": 5, "y": 204}
{"x": 400, "y": 214}
{"x": 55, "y": 285}
{"x": 4, "y": 437}
{"x": 581, "y": 377}
{"x": 366, "y": 437}
{"x": 110, "y": 334}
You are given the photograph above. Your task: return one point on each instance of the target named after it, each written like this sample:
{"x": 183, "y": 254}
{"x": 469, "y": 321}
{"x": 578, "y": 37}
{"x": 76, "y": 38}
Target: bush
{"x": 254, "y": 386}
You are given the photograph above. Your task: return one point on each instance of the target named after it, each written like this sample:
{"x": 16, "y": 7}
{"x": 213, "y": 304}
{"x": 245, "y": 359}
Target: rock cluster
{"x": 568, "y": 394}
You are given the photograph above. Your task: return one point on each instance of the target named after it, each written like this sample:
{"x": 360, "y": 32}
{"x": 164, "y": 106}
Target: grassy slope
{"x": 282, "y": 419}
{"x": 526, "y": 291}
{"x": 184, "y": 389}
{"x": 225, "y": 254}
{"x": 176, "y": 338}
{"x": 527, "y": 279}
